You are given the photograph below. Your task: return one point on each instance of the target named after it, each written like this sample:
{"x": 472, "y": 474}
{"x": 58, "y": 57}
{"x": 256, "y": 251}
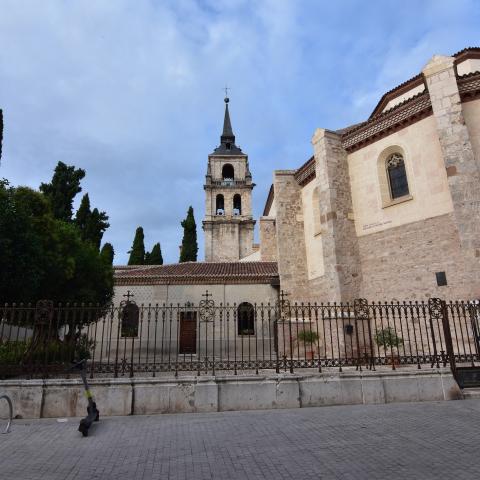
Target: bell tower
{"x": 228, "y": 223}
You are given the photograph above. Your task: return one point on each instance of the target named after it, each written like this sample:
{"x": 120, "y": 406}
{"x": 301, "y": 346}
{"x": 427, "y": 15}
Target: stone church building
{"x": 387, "y": 208}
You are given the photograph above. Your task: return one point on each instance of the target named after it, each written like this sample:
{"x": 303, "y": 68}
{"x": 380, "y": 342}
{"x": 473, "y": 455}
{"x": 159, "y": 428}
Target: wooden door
{"x": 188, "y": 332}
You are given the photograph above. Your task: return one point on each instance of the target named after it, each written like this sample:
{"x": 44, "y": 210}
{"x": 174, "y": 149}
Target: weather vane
{"x": 226, "y": 90}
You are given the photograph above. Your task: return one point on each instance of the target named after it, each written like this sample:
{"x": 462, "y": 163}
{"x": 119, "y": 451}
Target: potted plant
{"x": 389, "y": 340}
{"x": 308, "y": 338}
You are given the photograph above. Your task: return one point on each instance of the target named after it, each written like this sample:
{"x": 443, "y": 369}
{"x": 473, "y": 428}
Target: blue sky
{"x": 131, "y": 91}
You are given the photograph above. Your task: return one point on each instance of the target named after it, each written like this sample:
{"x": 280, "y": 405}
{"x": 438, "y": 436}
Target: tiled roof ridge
{"x": 468, "y": 75}
{"x": 466, "y": 50}
{"x": 406, "y": 113}
{"x": 305, "y": 173}
{"x": 384, "y": 114}
{"x": 416, "y": 79}
{"x": 247, "y": 269}
{"x": 411, "y": 82}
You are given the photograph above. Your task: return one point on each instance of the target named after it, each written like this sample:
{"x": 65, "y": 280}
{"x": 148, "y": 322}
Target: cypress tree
{"x": 1, "y": 132}
{"x": 96, "y": 226}
{"x": 189, "y": 249}
{"x": 107, "y": 253}
{"x": 61, "y": 191}
{"x": 83, "y": 215}
{"x": 155, "y": 256}
{"x": 137, "y": 253}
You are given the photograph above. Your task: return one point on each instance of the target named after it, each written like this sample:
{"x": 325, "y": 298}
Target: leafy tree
{"x": 107, "y": 253}
{"x": 1, "y": 132}
{"x": 62, "y": 189}
{"x": 42, "y": 257}
{"x": 137, "y": 252}
{"x": 96, "y": 226}
{"x": 155, "y": 256}
{"x": 189, "y": 249}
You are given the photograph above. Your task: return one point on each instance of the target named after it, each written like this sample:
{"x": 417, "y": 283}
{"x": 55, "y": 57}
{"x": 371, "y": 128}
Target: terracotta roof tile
{"x": 199, "y": 272}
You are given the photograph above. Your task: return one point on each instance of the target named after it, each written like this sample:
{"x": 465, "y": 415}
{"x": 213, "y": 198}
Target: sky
{"x": 132, "y": 91}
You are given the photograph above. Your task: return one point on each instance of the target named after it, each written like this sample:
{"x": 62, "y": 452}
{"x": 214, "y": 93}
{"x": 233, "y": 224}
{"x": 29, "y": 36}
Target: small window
{"x": 130, "y": 314}
{"x": 227, "y": 146}
{"x": 228, "y": 172}
{"x": 441, "y": 279}
{"x": 246, "y": 319}
{"x": 397, "y": 176}
{"x": 220, "y": 205}
{"x": 237, "y": 204}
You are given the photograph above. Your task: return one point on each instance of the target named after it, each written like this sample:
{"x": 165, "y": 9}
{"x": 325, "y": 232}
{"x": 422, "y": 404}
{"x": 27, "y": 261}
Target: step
{"x": 471, "y": 393}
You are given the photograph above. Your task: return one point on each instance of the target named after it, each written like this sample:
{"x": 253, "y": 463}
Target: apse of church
{"x": 228, "y": 223}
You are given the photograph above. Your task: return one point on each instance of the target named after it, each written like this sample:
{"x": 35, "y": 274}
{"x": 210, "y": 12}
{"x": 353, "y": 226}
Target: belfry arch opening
{"x": 227, "y": 172}
{"x": 237, "y": 204}
{"x": 220, "y": 205}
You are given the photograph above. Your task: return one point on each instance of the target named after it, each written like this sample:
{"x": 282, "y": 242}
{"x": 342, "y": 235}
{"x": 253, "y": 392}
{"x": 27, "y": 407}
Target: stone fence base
{"x": 141, "y": 396}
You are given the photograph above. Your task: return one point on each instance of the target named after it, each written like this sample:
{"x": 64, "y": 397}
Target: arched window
{"x": 246, "y": 319}
{"x": 237, "y": 204}
{"x": 129, "y": 319}
{"x": 220, "y": 205}
{"x": 397, "y": 176}
{"x": 228, "y": 173}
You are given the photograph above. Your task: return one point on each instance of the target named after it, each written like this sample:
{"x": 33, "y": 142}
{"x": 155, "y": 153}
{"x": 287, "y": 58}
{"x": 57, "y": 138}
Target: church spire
{"x": 227, "y": 139}
{"x": 227, "y": 135}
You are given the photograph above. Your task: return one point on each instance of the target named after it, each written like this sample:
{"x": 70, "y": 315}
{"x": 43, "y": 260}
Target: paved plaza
{"x": 436, "y": 440}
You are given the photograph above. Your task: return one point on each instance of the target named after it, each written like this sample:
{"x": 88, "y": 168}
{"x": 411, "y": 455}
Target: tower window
{"x": 397, "y": 176}
{"x": 228, "y": 173}
{"x": 237, "y": 204}
{"x": 227, "y": 146}
{"x": 220, "y": 205}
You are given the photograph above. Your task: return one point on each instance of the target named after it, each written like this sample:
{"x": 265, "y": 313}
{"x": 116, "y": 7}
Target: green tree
{"x": 62, "y": 189}
{"x": 137, "y": 252}
{"x": 107, "y": 253}
{"x": 42, "y": 257}
{"x": 96, "y": 226}
{"x": 1, "y": 132}
{"x": 91, "y": 223}
{"x": 189, "y": 249}
{"x": 83, "y": 215}
{"x": 155, "y": 256}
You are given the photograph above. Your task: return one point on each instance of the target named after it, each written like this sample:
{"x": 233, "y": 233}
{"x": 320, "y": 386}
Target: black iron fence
{"x": 209, "y": 338}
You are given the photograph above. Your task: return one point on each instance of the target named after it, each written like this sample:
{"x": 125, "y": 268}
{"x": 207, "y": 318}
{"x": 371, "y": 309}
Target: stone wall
{"x": 221, "y": 293}
{"x": 460, "y": 162}
{"x": 342, "y": 277}
{"x": 146, "y": 396}
{"x": 291, "y": 252}
{"x": 400, "y": 263}
{"x": 268, "y": 239}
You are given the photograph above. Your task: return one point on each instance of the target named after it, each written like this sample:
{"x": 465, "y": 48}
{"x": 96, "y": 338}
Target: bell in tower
{"x": 228, "y": 223}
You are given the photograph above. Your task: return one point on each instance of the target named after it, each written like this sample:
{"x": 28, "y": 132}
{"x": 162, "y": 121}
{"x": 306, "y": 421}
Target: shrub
{"x": 387, "y": 337}
{"x": 308, "y": 336}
